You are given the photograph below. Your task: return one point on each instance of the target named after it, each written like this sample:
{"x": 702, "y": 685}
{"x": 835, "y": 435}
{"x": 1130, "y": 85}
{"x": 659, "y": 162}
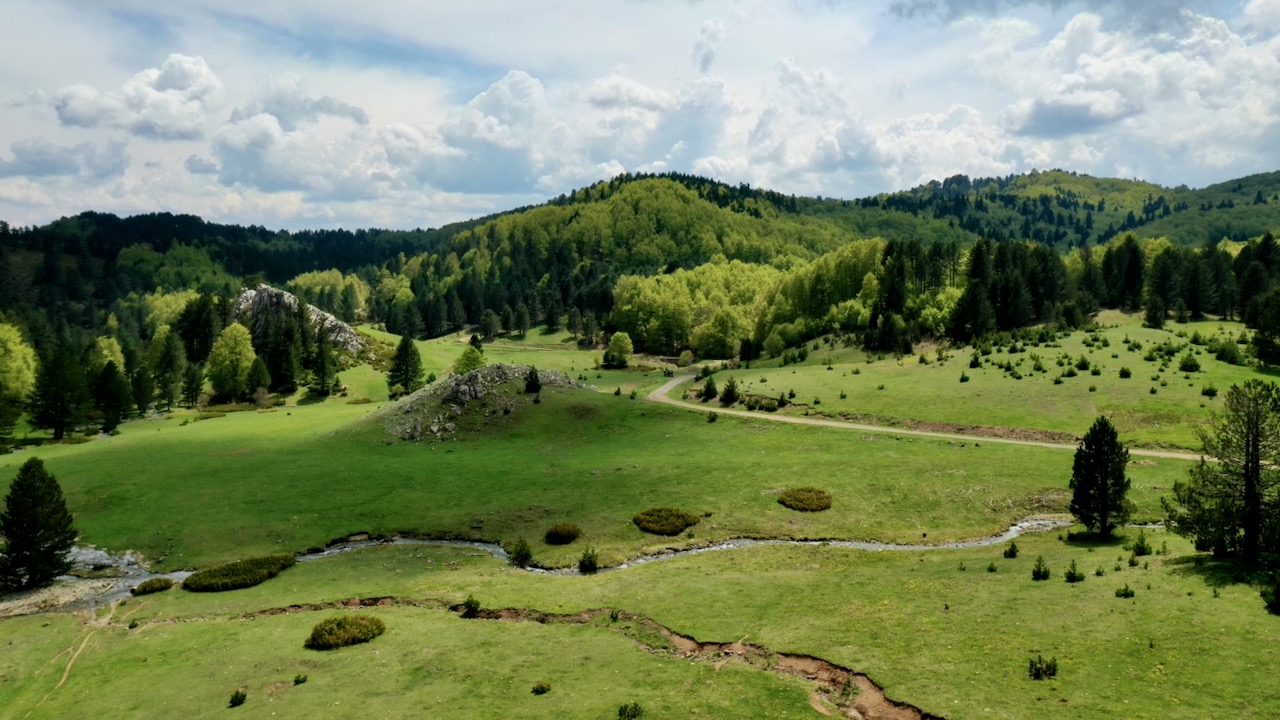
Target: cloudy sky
{"x": 402, "y": 114}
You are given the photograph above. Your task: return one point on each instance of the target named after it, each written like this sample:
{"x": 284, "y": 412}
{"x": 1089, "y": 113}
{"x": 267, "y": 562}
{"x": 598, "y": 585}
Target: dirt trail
{"x": 661, "y": 395}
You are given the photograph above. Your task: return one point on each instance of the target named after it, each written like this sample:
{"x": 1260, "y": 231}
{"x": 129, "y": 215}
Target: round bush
{"x": 664, "y": 521}
{"x": 154, "y": 585}
{"x": 563, "y": 534}
{"x": 805, "y": 499}
{"x": 335, "y": 632}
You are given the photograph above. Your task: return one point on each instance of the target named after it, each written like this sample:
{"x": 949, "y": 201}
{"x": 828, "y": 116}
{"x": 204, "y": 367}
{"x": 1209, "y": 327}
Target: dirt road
{"x": 662, "y": 395}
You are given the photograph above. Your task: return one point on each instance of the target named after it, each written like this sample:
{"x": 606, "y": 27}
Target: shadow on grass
{"x": 311, "y": 398}
{"x": 1218, "y": 572}
{"x": 1088, "y": 539}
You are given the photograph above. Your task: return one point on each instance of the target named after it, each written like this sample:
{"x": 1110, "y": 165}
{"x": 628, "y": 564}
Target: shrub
{"x": 541, "y": 688}
{"x": 1040, "y": 669}
{"x": 1011, "y": 552}
{"x": 1141, "y": 546}
{"x": 1271, "y": 595}
{"x": 237, "y": 698}
{"x": 1073, "y": 574}
{"x": 562, "y": 534}
{"x": 299, "y": 679}
{"x": 630, "y": 711}
{"x": 589, "y": 562}
{"x": 470, "y": 607}
{"x": 1125, "y": 592}
{"x": 154, "y": 585}
{"x": 992, "y": 567}
{"x": 336, "y": 632}
{"x": 1209, "y": 391}
{"x": 520, "y": 555}
{"x": 712, "y": 416}
{"x": 1188, "y": 363}
{"x": 805, "y": 499}
{"x": 1125, "y": 373}
{"x": 1040, "y": 571}
{"x": 532, "y": 383}
{"x": 963, "y": 377}
{"x": 239, "y": 574}
{"x": 664, "y": 521}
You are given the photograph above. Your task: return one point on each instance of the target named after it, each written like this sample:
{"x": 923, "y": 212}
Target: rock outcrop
{"x": 256, "y": 304}
{"x": 431, "y": 411}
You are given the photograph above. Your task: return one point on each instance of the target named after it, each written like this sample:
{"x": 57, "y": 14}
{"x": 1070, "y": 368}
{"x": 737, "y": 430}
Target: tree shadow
{"x": 311, "y": 398}
{"x": 1217, "y": 572}
{"x": 1087, "y": 539}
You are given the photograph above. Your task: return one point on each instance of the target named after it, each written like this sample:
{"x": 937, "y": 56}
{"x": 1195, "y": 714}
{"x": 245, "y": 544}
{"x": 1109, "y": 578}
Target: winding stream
{"x": 118, "y": 574}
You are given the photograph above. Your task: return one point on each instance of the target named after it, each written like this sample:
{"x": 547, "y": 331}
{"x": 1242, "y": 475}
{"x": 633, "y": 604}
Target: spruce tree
{"x": 405, "y": 375}
{"x": 61, "y": 399}
{"x": 37, "y": 527}
{"x": 1098, "y": 481}
{"x": 192, "y": 384}
{"x": 325, "y": 367}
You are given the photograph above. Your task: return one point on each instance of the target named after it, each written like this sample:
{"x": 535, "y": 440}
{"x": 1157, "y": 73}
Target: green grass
{"x": 953, "y": 641}
{"x": 252, "y": 484}
{"x": 933, "y": 393}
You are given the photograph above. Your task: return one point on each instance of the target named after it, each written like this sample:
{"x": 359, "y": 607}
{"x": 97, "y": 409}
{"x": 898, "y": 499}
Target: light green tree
{"x": 230, "y": 360}
{"x": 17, "y": 375}
{"x": 471, "y": 359}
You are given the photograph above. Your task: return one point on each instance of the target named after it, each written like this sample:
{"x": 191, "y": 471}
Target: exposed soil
{"x": 854, "y": 694}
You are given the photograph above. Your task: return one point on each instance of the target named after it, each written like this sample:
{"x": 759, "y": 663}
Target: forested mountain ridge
{"x": 684, "y": 262}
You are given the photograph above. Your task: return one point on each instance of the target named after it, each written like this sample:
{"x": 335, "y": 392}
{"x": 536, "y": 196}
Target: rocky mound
{"x": 432, "y": 412}
{"x": 254, "y": 305}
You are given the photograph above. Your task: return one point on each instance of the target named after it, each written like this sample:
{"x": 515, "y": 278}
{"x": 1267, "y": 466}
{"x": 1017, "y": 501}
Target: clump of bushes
{"x": 1040, "y": 571}
{"x": 239, "y": 574}
{"x": 664, "y": 521}
{"x": 1040, "y": 669}
{"x": 1125, "y": 592}
{"x": 589, "y": 562}
{"x": 237, "y": 698}
{"x": 335, "y": 632}
{"x": 562, "y": 534}
{"x": 520, "y": 554}
{"x": 299, "y": 679}
{"x": 805, "y": 499}
{"x": 154, "y": 585}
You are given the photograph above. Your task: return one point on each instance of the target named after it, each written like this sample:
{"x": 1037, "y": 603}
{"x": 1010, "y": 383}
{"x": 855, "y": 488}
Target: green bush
{"x": 541, "y": 688}
{"x": 239, "y": 574}
{"x": 1011, "y": 552}
{"x": 562, "y": 534}
{"x": 1141, "y": 546}
{"x": 336, "y": 632}
{"x": 1209, "y": 391}
{"x": 237, "y": 698}
{"x": 1073, "y": 574}
{"x": 1125, "y": 592}
{"x": 154, "y": 585}
{"x": 520, "y": 554}
{"x": 589, "y": 562}
{"x": 1040, "y": 669}
{"x": 805, "y": 499}
{"x": 664, "y": 521}
{"x": 470, "y": 607}
{"x": 630, "y": 711}
{"x": 1188, "y": 363}
{"x": 1125, "y": 373}
{"x": 299, "y": 679}
{"x": 1271, "y": 595}
{"x": 1040, "y": 571}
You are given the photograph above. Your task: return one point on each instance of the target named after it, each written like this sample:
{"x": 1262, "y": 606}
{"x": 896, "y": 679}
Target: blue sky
{"x": 392, "y": 114}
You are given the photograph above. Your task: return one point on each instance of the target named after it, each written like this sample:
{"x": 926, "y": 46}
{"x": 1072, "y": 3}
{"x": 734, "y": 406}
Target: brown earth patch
{"x": 977, "y": 431}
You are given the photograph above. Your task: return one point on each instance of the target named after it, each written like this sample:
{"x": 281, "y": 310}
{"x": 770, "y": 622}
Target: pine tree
{"x": 37, "y": 527}
{"x": 192, "y": 384}
{"x": 259, "y": 376}
{"x": 61, "y": 399}
{"x": 143, "y": 389}
{"x": 325, "y": 369}
{"x": 112, "y": 396}
{"x": 1098, "y": 481}
{"x": 405, "y": 375}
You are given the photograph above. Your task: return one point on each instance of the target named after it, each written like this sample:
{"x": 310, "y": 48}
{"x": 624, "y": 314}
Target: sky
{"x": 395, "y": 114}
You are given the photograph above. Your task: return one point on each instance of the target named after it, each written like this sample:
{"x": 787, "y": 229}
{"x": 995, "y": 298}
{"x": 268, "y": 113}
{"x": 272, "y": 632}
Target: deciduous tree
{"x": 229, "y": 362}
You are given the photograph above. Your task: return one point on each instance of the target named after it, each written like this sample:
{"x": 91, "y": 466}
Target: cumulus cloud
{"x": 197, "y": 165}
{"x": 38, "y": 158}
{"x": 1147, "y": 14}
{"x": 709, "y": 37}
{"x": 171, "y": 102}
{"x": 290, "y": 106}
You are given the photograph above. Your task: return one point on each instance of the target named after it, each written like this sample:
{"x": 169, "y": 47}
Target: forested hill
{"x": 685, "y": 262}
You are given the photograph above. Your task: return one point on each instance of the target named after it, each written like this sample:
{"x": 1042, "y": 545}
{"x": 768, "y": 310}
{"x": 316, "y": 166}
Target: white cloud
{"x": 709, "y": 37}
{"x": 40, "y": 158}
{"x": 169, "y": 102}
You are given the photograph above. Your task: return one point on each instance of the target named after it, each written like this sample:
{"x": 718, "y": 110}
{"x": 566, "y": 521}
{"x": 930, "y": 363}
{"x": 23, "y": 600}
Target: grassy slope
{"x": 934, "y": 392}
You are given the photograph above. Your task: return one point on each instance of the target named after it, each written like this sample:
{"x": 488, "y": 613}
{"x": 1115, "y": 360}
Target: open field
{"x": 935, "y": 628}
{"x": 933, "y": 393}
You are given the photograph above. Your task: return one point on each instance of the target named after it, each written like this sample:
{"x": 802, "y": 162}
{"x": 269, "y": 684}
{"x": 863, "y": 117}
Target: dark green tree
{"x": 730, "y": 394}
{"x": 1098, "y": 482}
{"x": 192, "y": 384}
{"x": 1230, "y": 503}
{"x": 1266, "y": 321}
{"x": 61, "y": 398}
{"x": 405, "y": 375}
{"x": 259, "y": 376}
{"x": 490, "y": 324}
{"x": 522, "y": 319}
{"x": 37, "y": 528}
{"x": 324, "y": 371}
{"x": 709, "y": 389}
{"x": 112, "y": 396}
{"x": 169, "y": 368}
{"x": 532, "y": 383}
{"x": 143, "y": 388}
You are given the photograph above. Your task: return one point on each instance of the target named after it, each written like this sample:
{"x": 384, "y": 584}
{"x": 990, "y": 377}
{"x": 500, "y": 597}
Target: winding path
{"x": 661, "y": 395}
